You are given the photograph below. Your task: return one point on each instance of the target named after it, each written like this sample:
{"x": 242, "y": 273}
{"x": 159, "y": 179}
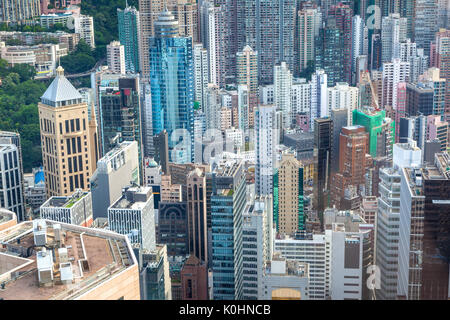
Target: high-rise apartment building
{"x": 19, "y": 11}
{"x": 394, "y": 73}
{"x": 68, "y": 138}
{"x": 309, "y": 22}
{"x": 84, "y": 25}
{"x": 115, "y": 55}
{"x": 318, "y": 91}
{"x": 201, "y": 74}
{"x": 130, "y": 37}
{"x": 282, "y": 93}
{"x": 425, "y": 23}
{"x": 393, "y": 32}
{"x": 247, "y": 74}
{"x": 343, "y": 96}
{"x": 265, "y": 149}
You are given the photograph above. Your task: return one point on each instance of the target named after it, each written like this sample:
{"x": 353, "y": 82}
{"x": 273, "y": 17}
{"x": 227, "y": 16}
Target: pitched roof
{"x": 61, "y": 89}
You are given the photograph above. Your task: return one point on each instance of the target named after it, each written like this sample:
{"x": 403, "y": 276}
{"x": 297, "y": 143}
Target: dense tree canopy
{"x": 82, "y": 59}
{"x": 19, "y": 95}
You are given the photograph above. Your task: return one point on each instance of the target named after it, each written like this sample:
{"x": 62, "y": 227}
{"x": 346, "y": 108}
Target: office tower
{"x": 425, "y": 23}
{"x": 376, "y": 52}
{"x": 419, "y": 99}
{"x": 289, "y": 216}
{"x": 323, "y": 130}
{"x": 342, "y": 96}
{"x": 381, "y": 131}
{"x": 154, "y": 273}
{"x": 120, "y": 113}
{"x": 117, "y": 169}
{"x": 161, "y": 145}
{"x": 194, "y": 280}
{"x": 19, "y": 11}
{"x": 393, "y": 73}
{"x": 343, "y": 14}
{"x": 101, "y": 249}
{"x": 247, "y": 74}
{"x": 74, "y": 209}
{"x": 84, "y": 25}
{"x": 197, "y": 220}
{"x": 388, "y": 217}
{"x": 242, "y": 109}
{"x": 351, "y": 254}
{"x": 130, "y": 37}
{"x": 309, "y": 22}
{"x": 359, "y": 43}
{"x": 437, "y": 129}
{"x": 265, "y": 149}
{"x": 431, "y": 148}
{"x": 339, "y": 117}
{"x": 282, "y": 93}
{"x": 115, "y": 55}
{"x": 201, "y": 71}
{"x": 329, "y": 52}
{"x": 257, "y": 239}
{"x": 172, "y": 80}
{"x": 319, "y": 106}
{"x": 227, "y": 205}
{"x": 423, "y": 241}
{"x": 68, "y": 136}
{"x": 173, "y": 227}
{"x": 353, "y": 147}
{"x": 285, "y": 280}
{"x": 393, "y": 32}
{"x": 184, "y": 11}
{"x": 133, "y": 214}
{"x": 11, "y": 186}
{"x": 8, "y": 140}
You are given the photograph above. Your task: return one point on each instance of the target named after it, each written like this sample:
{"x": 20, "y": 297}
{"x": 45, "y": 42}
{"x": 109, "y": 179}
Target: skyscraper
{"x": 425, "y": 23}
{"x": 129, "y": 37}
{"x": 247, "y": 74}
{"x": 115, "y": 54}
{"x": 10, "y": 139}
{"x": 201, "y": 74}
{"x": 68, "y": 137}
{"x": 290, "y": 216}
{"x": 393, "y": 31}
{"x": 323, "y": 130}
{"x": 172, "y": 79}
{"x": 309, "y": 22}
{"x": 282, "y": 93}
{"x": 265, "y": 149}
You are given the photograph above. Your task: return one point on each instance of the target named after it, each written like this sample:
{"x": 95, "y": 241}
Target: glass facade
{"x": 172, "y": 88}
{"x": 129, "y": 37}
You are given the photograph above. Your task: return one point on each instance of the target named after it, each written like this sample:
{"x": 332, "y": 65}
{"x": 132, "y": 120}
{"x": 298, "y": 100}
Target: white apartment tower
{"x": 265, "y": 149}
{"x": 282, "y": 92}
{"x": 200, "y": 74}
{"x": 343, "y": 96}
{"x": 115, "y": 55}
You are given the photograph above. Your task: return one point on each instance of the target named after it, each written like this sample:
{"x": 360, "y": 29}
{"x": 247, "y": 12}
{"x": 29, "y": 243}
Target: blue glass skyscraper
{"x": 172, "y": 86}
{"x": 129, "y": 37}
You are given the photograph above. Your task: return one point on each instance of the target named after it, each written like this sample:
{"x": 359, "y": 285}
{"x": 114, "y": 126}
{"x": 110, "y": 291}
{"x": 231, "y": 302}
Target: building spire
{"x": 60, "y": 71}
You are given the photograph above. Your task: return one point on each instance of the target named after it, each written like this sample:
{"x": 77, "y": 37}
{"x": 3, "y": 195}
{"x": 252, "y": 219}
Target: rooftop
{"x": 65, "y": 202}
{"x": 91, "y": 256}
{"x": 6, "y": 216}
{"x": 61, "y": 89}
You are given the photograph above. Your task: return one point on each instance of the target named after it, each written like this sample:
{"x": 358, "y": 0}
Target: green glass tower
{"x": 381, "y": 131}
{"x": 129, "y": 37}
